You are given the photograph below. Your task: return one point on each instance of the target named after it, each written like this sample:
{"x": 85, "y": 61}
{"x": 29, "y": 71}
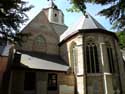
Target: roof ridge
{"x": 97, "y": 23}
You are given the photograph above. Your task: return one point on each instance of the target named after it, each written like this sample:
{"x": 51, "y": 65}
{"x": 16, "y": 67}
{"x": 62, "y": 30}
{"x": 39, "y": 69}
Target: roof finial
{"x": 51, "y": 0}
{"x": 52, "y": 4}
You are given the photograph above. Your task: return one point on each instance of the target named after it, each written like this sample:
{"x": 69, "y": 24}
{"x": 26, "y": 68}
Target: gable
{"x": 40, "y": 23}
{"x": 40, "y": 26}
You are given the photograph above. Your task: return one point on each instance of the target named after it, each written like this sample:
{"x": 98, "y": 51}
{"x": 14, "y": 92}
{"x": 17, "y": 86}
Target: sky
{"x": 70, "y": 18}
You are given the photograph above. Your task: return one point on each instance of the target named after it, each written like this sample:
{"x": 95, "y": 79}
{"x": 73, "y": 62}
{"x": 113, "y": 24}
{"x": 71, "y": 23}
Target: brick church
{"x": 82, "y": 59}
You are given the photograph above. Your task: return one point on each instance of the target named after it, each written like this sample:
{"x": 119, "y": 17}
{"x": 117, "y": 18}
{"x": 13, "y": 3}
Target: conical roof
{"x": 85, "y": 22}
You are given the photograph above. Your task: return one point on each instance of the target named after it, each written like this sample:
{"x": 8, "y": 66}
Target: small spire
{"x": 52, "y": 4}
{"x": 51, "y": 0}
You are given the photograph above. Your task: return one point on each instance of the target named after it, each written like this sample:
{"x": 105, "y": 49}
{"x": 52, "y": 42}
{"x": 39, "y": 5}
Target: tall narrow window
{"x": 110, "y": 59}
{"x": 30, "y": 81}
{"x": 92, "y": 62}
{"x": 88, "y": 60}
{"x": 52, "y": 81}
{"x": 73, "y": 52}
{"x": 96, "y": 59}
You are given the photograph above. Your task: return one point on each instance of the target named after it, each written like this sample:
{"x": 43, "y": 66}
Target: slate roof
{"x": 41, "y": 61}
{"x": 85, "y": 22}
{"x": 59, "y": 28}
{"x": 36, "y": 63}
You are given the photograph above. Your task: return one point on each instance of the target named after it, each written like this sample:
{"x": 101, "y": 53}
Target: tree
{"x": 115, "y": 12}
{"x": 12, "y": 15}
{"x": 121, "y": 36}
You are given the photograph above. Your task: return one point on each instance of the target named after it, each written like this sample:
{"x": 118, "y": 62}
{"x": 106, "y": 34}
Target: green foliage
{"x": 77, "y": 6}
{"x": 12, "y": 15}
{"x": 121, "y": 36}
{"x": 115, "y": 12}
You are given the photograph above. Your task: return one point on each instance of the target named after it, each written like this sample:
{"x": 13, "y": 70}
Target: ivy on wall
{"x": 121, "y": 36}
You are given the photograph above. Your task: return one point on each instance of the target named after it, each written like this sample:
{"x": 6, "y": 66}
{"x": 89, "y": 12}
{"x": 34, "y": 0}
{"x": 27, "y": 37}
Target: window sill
{"x": 94, "y": 74}
{"x": 107, "y": 73}
{"x": 98, "y": 74}
{"x": 91, "y": 74}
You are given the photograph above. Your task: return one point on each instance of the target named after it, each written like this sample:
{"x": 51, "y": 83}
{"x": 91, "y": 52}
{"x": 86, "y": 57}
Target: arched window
{"x": 110, "y": 57}
{"x": 73, "y": 57}
{"x": 92, "y": 62}
{"x": 39, "y": 43}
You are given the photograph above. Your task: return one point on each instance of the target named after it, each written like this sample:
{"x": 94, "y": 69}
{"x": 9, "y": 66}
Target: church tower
{"x": 55, "y": 17}
{"x": 54, "y": 14}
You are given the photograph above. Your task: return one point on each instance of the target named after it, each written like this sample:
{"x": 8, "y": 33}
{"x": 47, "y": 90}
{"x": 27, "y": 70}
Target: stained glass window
{"x": 39, "y": 43}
